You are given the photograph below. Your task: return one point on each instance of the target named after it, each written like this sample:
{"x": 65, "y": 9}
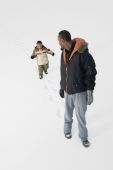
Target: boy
{"x": 40, "y": 53}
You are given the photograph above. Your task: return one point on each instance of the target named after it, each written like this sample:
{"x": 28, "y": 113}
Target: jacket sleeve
{"x": 61, "y": 85}
{"x": 89, "y": 68}
{"x": 50, "y": 52}
{"x": 33, "y": 54}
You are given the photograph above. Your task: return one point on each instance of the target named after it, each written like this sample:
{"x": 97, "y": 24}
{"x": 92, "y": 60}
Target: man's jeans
{"x": 79, "y": 102}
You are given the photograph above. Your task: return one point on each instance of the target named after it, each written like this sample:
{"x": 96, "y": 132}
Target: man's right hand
{"x": 61, "y": 92}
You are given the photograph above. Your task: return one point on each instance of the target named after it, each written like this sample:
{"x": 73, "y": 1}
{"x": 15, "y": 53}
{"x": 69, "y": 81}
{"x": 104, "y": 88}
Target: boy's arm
{"x": 38, "y": 52}
{"x": 33, "y": 55}
{"x": 50, "y": 52}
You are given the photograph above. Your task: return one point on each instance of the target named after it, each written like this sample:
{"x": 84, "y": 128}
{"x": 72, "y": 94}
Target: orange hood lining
{"x": 78, "y": 43}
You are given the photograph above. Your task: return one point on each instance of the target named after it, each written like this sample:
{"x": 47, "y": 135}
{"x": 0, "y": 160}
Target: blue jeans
{"x": 79, "y": 102}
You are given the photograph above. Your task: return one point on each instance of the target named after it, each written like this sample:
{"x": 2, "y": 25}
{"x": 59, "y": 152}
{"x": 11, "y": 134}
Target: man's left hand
{"x": 89, "y": 97}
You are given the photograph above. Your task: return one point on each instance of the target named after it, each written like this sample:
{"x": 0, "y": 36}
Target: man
{"x": 77, "y": 83}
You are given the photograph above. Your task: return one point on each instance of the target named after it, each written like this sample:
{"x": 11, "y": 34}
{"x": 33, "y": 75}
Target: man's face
{"x": 39, "y": 45}
{"x": 62, "y": 42}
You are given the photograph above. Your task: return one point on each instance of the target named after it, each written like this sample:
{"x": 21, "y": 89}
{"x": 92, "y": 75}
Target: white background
{"x": 31, "y": 111}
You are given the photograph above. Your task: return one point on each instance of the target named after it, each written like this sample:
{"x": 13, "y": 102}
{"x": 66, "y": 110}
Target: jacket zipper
{"x": 66, "y": 78}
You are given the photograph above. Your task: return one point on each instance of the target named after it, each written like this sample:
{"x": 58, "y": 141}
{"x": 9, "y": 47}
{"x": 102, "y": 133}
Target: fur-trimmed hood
{"x": 80, "y": 45}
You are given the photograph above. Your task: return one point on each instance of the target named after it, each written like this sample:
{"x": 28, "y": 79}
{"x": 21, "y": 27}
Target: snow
{"x": 31, "y": 110}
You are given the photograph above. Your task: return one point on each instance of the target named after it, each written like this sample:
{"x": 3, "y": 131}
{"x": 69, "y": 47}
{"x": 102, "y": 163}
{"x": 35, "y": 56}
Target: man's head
{"x": 64, "y": 39}
{"x": 39, "y": 44}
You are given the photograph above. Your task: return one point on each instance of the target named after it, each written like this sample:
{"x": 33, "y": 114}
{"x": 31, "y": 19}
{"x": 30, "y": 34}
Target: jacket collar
{"x": 80, "y": 46}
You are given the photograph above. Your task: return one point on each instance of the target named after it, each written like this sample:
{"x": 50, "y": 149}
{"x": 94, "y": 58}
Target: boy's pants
{"x": 42, "y": 68}
{"x": 79, "y": 102}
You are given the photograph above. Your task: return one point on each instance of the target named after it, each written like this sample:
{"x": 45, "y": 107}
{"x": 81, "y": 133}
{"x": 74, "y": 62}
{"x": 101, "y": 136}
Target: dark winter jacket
{"x": 78, "y": 70}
